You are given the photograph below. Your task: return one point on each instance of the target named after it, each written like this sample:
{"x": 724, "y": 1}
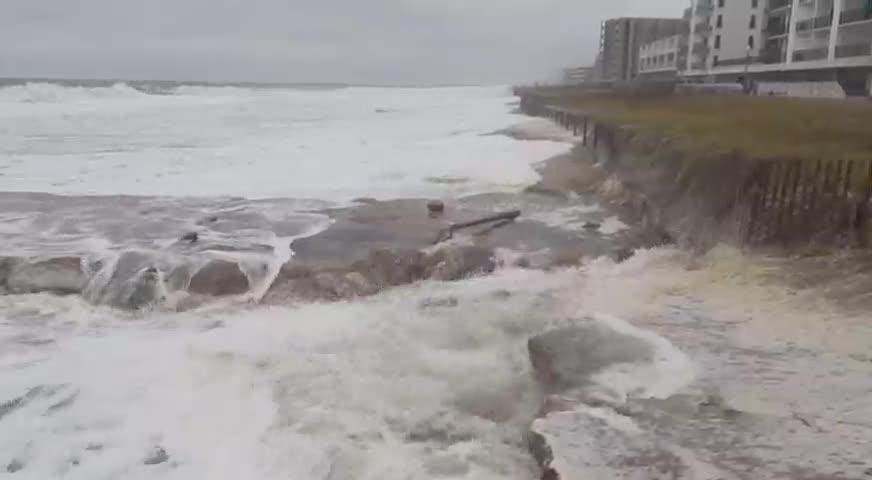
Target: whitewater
{"x": 429, "y": 380}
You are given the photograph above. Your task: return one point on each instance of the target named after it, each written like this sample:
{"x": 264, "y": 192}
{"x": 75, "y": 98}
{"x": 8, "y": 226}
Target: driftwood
{"x": 503, "y": 218}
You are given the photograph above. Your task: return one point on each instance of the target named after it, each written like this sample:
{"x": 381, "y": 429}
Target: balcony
{"x": 771, "y": 55}
{"x": 778, "y": 4}
{"x": 776, "y": 28}
{"x": 825, "y": 21}
{"x": 810, "y": 54}
{"x": 700, "y": 48}
{"x": 705, "y": 6}
{"x": 702, "y": 28}
{"x": 854, "y": 50}
{"x": 697, "y": 66}
{"x": 736, "y": 61}
{"x": 855, "y": 15}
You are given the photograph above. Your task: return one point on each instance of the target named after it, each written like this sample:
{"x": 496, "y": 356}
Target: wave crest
{"x": 42, "y": 92}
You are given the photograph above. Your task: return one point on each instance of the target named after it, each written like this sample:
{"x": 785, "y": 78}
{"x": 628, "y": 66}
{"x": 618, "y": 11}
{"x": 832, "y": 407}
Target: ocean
{"x": 370, "y": 388}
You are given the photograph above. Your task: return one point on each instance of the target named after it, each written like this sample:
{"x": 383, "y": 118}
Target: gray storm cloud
{"x": 354, "y": 41}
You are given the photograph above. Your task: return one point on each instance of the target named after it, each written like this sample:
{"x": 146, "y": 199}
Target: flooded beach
{"x": 155, "y": 322}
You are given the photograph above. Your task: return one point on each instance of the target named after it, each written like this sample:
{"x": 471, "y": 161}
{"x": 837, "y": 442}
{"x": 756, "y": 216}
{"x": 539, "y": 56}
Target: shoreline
{"x": 773, "y": 373}
{"x": 808, "y": 308}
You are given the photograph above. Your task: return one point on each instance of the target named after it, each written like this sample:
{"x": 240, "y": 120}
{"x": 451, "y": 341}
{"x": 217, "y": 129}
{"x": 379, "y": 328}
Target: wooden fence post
{"x": 845, "y": 208}
{"x": 811, "y": 196}
{"x": 791, "y": 198}
{"x": 863, "y": 209}
{"x": 777, "y": 200}
{"x": 759, "y": 184}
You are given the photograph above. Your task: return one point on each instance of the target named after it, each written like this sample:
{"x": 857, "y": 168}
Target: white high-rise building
{"x": 724, "y": 33}
{"x": 790, "y": 40}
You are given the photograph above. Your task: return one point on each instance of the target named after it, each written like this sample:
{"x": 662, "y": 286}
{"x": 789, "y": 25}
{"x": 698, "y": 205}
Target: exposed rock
{"x": 133, "y": 282}
{"x": 341, "y": 285}
{"x": 569, "y": 257}
{"x": 361, "y": 285}
{"x": 156, "y": 457}
{"x": 219, "y": 278}
{"x": 567, "y": 358}
{"x": 435, "y": 207}
{"x": 190, "y": 237}
{"x": 622, "y": 254}
{"x": 142, "y": 290}
{"x": 60, "y": 275}
{"x": 383, "y": 268}
{"x": 179, "y": 277}
{"x": 599, "y": 444}
{"x": 300, "y": 282}
{"x": 457, "y": 263}
{"x": 130, "y": 263}
{"x": 591, "y": 226}
{"x": 541, "y": 451}
{"x": 389, "y": 268}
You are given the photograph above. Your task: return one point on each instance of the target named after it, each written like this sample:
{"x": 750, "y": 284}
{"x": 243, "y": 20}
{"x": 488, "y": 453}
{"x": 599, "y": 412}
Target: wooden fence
{"x": 783, "y": 201}
{"x": 795, "y": 200}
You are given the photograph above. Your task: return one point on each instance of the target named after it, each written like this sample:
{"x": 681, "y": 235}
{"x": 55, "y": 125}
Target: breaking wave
{"x": 39, "y": 92}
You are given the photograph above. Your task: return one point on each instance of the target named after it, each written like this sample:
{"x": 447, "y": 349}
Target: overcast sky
{"x": 354, "y": 41}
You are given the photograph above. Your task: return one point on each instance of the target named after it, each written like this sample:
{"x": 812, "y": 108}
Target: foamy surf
{"x": 399, "y": 385}
{"x": 427, "y": 380}
{"x": 331, "y": 145}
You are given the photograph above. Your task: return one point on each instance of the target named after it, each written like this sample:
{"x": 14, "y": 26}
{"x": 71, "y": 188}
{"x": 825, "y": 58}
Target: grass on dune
{"x": 761, "y": 127}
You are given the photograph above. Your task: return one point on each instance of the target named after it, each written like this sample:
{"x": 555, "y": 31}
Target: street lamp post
{"x": 747, "y": 68}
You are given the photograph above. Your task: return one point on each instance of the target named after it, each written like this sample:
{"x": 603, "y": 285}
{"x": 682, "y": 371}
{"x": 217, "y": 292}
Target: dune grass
{"x": 760, "y": 127}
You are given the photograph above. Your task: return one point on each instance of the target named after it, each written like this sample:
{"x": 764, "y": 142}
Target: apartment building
{"x": 783, "y": 40}
{"x": 577, "y": 75}
{"x": 827, "y": 33}
{"x": 661, "y": 59}
{"x": 724, "y": 33}
{"x": 621, "y": 39}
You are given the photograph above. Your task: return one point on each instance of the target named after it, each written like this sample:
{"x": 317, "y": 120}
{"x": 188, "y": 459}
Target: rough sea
{"x": 376, "y": 388}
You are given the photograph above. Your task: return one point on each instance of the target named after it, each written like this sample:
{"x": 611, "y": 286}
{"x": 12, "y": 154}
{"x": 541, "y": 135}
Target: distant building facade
{"x": 725, "y": 32}
{"x": 782, "y": 40}
{"x": 577, "y": 75}
{"x": 622, "y": 38}
{"x": 662, "y": 58}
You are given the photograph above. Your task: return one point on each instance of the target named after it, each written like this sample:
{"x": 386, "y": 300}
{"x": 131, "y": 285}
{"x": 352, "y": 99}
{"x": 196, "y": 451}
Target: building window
{"x": 720, "y": 21}
{"x": 754, "y": 4}
{"x": 753, "y": 24}
{"x": 751, "y": 41}
{"x": 721, "y": 3}
{"x": 717, "y": 41}
{"x": 715, "y": 61}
